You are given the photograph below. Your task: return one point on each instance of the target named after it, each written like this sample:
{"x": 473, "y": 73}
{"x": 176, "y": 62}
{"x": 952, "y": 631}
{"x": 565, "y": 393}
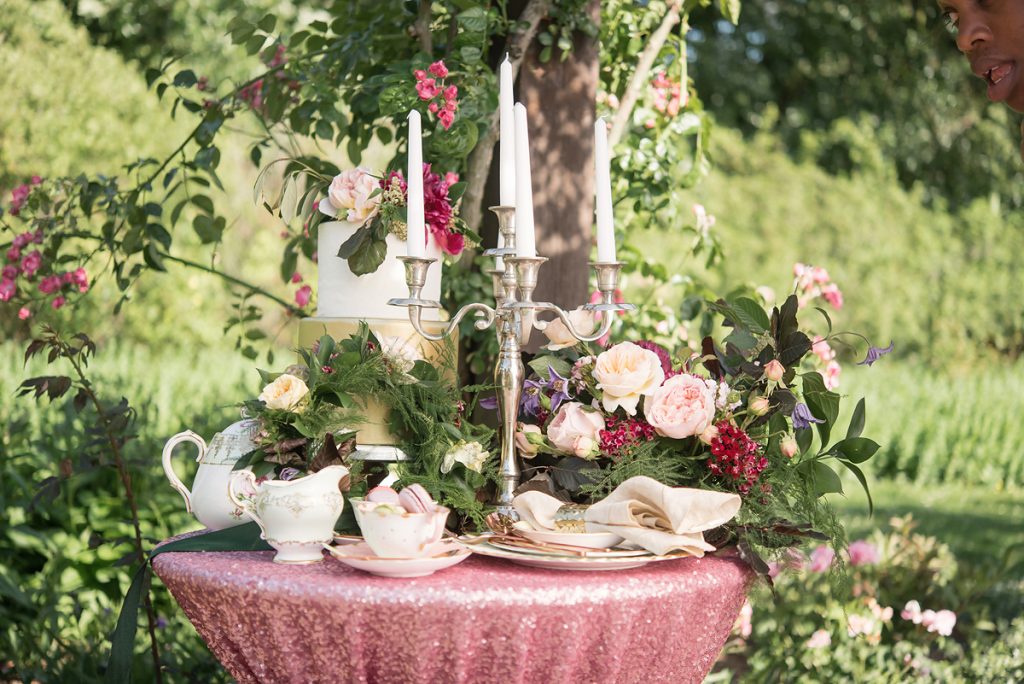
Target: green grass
{"x": 978, "y": 523}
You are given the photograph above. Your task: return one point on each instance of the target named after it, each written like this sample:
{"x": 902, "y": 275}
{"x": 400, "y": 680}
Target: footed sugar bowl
{"x": 208, "y": 499}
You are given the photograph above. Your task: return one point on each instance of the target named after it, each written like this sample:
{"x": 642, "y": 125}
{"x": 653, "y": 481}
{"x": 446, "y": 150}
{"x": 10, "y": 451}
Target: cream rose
{"x": 626, "y": 372}
{"x": 684, "y": 406}
{"x": 351, "y": 196}
{"x": 469, "y": 454}
{"x": 576, "y": 430}
{"x": 558, "y": 333}
{"x": 284, "y": 393}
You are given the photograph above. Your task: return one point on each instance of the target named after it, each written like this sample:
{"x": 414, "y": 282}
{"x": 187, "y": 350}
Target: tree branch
{"x": 422, "y": 28}
{"x": 643, "y": 70}
{"x": 480, "y": 159}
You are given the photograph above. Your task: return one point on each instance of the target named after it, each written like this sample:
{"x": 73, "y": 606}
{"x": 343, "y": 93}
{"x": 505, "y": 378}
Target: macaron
{"x": 384, "y": 495}
{"x": 416, "y": 499}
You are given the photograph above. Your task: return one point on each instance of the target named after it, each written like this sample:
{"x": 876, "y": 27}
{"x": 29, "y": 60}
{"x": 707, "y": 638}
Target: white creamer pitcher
{"x": 297, "y": 516}
{"x": 209, "y": 500}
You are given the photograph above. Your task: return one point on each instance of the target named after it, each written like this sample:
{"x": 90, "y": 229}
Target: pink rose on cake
{"x": 576, "y": 430}
{"x": 353, "y": 195}
{"x": 626, "y": 372}
{"x": 683, "y": 407}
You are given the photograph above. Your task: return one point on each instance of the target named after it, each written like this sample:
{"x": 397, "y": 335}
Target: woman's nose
{"x": 973, "y": 31}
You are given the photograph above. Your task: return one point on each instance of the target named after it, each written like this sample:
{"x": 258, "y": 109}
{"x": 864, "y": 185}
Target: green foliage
{"x": 66, "y": 545}
{"x": 944, "y": 426}
{"x": 861, "y": 635}
{"x": 875, "y": 239}
{"x": 70, "y": 108}
{"x": 838, "y": 78}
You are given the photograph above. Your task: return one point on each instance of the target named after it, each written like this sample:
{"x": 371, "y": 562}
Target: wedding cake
{"x": 344, "y": 299}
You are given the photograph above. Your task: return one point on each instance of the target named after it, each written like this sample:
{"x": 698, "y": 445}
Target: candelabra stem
{"x": 508, "y": 376}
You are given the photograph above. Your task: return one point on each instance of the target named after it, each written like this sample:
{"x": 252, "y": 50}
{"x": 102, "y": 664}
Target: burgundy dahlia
{"x": 734, "y": 455}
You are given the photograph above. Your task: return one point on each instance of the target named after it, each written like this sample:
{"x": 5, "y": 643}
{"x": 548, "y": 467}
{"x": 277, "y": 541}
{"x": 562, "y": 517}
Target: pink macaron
{"x": 384, "y": 495}
{"x": 416, "y": 499}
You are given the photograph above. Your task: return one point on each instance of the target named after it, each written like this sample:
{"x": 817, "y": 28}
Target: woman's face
{"x": 990, "y": 33}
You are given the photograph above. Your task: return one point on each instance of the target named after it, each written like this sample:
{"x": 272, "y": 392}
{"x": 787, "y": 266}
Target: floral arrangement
{"x": 377, "y": 207}
{"x": 746, "y": 415}
{"x": 309, "y": 416}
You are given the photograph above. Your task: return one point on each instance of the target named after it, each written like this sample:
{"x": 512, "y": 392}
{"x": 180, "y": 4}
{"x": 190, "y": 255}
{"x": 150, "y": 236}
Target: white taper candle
{"x": 416, "y": 238}
{"x": 506, "y": 149}
{"x": 525, "y": 238}
{"x": 603, "y": 189}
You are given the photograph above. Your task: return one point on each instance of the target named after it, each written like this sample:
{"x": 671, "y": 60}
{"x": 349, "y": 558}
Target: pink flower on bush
{"x": 302, "y": 295}
{"x": 58, "y": 302}
{"x": 31, "y": 263}
{"x": 912, "y": 611}
{"x": 8, "y": 289}
{"x": 296, "y": 277}
{"x": 821, "y": 559}
{"x": 682, "y": 407}
{"x": 420, "y": 74}
{"x": 49, "y": 284}
{"x": 13, "y": 254}
{"x": 744, "y": 624}
{"x": 22, "y": 240}
{"x": 831, "y": 374}
{"x": 447, "y": 118}
{"x": 863, "y": 552}
{"x": 80, "y": 278}
{"x": 820, "y": 639}
{"x": 10, "y": 272}
{"x": 832, "y": 295}
{"x": 427, "y": 89}
{"x": 432, "y": 108}
{"x": 667, "y": 94}
{"x": 439, "y": 69}
{"x": 940, "y": 622}
{"x": 24, "y": 313}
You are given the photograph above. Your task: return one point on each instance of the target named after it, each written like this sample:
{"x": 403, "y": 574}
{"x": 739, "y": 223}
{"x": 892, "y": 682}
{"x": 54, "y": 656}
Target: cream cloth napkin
{"x": 644, "y": 512}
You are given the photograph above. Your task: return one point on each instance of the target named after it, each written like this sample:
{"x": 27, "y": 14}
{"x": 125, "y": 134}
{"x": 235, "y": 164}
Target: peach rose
{"x": 284, "y": 393}
{"x": 351, "y": 196}
{"x": 626, "y": 372}
{"x": 684, "y": 406}
{"x": 576, "y": 430}
{"x": 558, "y": 333}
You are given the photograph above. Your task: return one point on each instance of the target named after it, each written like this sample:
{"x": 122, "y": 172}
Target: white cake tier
{"x": 342, "y": 294}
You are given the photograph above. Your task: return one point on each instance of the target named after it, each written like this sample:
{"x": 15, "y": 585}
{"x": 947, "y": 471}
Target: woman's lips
{"x": 1000, "y": 79}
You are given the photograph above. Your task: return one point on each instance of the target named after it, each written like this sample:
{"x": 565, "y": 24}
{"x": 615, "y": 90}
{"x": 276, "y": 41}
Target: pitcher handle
{"x": 245, "y": 503}
{"x": 177, "y": 484}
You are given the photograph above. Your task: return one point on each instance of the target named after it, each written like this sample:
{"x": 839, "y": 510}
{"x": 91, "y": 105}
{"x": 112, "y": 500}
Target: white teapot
{"x": 209, "y": 500}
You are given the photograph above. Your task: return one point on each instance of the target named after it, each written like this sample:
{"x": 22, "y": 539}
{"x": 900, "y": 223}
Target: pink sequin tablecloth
{"x": 481, "y": 621}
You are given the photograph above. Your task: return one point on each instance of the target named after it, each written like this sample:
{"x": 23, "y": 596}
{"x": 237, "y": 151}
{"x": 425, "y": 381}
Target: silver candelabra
{"x": 517, "y": 317}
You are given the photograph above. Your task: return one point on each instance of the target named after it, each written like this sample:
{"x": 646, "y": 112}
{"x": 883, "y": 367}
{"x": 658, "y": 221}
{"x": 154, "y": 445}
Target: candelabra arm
{"x": 484, "y": 322}
{"x": 606, "y": 323}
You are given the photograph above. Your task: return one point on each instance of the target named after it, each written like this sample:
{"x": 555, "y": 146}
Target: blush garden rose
{"x": 284, "y": 393}
{"x": 626, "y": 372}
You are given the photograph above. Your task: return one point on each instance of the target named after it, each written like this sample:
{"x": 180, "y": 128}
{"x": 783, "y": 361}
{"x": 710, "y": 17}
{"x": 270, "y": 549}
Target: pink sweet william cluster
{"x": 814, "y": 281}
{"x": 443, "y": 99}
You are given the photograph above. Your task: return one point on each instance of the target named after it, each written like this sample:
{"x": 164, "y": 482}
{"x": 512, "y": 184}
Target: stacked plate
{"x": 563, "y": 550}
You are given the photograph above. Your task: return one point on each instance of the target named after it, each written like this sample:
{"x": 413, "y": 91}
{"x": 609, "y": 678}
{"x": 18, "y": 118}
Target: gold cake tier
{"x": 375, "y": 429}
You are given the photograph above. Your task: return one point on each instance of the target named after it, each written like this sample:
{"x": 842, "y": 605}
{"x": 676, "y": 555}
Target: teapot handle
{"x": 186, "y": 436}
{"x": 245, "y": 503}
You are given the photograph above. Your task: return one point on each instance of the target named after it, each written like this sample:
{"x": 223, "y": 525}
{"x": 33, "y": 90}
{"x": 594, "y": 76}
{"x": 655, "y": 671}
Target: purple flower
{"x": 559, "y": 388}
{"x": 290, "y": 473}
{"x": 529, "y": 402}
{"x": 802, "y": 417}
{"x": 875, "y": 353}
{"x": 161, "y": 623}
{"x": 489, "y": 403}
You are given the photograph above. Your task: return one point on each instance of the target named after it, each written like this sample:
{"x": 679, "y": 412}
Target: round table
{"x": 483, "y": 620}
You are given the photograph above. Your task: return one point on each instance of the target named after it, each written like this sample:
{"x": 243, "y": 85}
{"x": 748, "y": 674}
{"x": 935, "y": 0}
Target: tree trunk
{"x": 559, "y": 98}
